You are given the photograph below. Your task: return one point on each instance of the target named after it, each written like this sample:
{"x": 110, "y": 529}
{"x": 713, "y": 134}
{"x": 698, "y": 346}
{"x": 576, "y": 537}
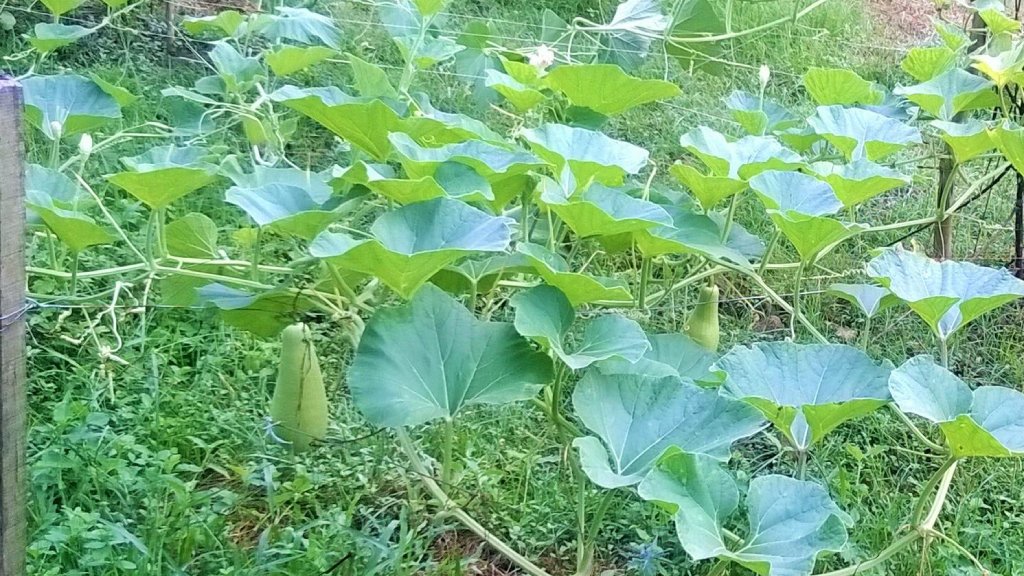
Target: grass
{"x": 162, "y": 464}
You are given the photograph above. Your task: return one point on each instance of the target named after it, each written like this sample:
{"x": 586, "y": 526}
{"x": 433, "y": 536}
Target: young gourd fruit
{"x": 299, "y": 405}
{"x": 702, "y": 326}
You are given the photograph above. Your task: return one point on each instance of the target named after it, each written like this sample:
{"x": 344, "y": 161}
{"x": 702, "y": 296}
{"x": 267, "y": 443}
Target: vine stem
{"x": 645, "y": 273}
{"x": 890, "y": 551}
{"x": 944, "y": 352}
{"x": 917, "y": 431}
{"x": 458, "y": 513}
{"x": 940, "y": 475}
{"x": 796, "y": 302}
{"x": 768, "y": 251}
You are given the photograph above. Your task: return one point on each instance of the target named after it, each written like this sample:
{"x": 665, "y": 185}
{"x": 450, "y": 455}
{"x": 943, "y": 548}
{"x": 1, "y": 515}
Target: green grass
{"x": 162, "y": 465}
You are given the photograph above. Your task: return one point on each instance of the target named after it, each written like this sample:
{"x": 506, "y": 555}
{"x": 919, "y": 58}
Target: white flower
{"x": 56, "y": 128}
{"x": 85, "y": 144}
{"x": 542, "y": 57}
{"x": 764, "y": 75}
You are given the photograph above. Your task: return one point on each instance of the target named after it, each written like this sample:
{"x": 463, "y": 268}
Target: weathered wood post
{"x": 12, "y": 332}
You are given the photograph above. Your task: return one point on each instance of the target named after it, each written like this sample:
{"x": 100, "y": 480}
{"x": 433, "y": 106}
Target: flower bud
{"x": 764, "y": 75}
{"x": 542, "y": 57}
{"x": 56, "y": 129}
{"x": 85, "y": 144}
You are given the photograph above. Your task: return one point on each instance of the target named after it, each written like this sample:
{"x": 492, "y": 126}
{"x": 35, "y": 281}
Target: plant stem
{"x": 917, "y": 432}
{"x": 256, "y": 253}
{"x": 864, "y": 333}
{"x": 774, "y": 297}
{"x": 452, "y": 508}
{"x": 796, "y": 302}
{"x": 74, "y": 274}
{"x": 448, "y": 439}
{"x": 944, "y": 352}
{"x": 524, "y": 215}
{"x": 940, "y": 496}
{"x": 922, "y": 500}
{"x": 645, "y": 273}
{"x": 801, "y": 463}
{"x": 890, "y": 551}
{"x": 768, "y": 252}
{"x": 727, "y": 227}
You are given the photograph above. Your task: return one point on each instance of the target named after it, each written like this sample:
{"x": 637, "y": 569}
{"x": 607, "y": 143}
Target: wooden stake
{"x": 12, "y": 332}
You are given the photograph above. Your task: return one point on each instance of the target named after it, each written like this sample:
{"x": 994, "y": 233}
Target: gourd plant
{"x": 437, "y": 223}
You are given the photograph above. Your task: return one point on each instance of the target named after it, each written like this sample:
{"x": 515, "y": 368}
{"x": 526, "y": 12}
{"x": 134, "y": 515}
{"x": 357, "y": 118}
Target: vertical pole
{"x": 12, "y": 332}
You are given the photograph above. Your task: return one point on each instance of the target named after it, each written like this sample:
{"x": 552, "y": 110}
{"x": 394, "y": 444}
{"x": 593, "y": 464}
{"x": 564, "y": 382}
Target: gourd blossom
{"x": 542, "y": 57}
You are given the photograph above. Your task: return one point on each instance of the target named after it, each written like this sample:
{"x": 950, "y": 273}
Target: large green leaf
{"x": 264, "y": 314}
{"x": 519, "y": 95}
{"x": 738, "y": 159}
{"x": 488, "y": 159}
{"x": 315, "y": 183}
{"x": 673, "y": 354}
{"x": 430, "y": 358}
{"x": 993, "y": 13}
{"x": 626, "y": 40}
{"x": 696, "y": 233}
{"x": 74, "y": 229}
{"x": 860, "y": 133}
{"x": 433, "y": 127}
{"x": 50, "y": 36}
{"x": 480, "y": 274}
{"x": 946, "y": 295}
{"x": 986, "y": 422}
{"x": 606, "y": 88}
{"x": 63, "y": 191}
{"x": 579, "y": 287}
{"x": 300, "y": 25}
{"x": 967, "y": 139}
{"x": 164, "y": 174}
{"x": 799, "y": 204}
{"x": 282, "y": 207}
{"x": 601, "y": 210}
{"x": 708, "y": 189}
{"x": 381, "y": 179}
{"x": 194, "y": 235}
{"x": 545, "y": 315}
{"x": 1002, "y": 67}
{"x": 225, "y": 23}
{"x": 588, "y": 154}
{"x": 926, "y": 62}
{"x": 1009, "y": 139}
{"x": 805, "y": 390}
{"x": 60, "y": 7}
{"x": 759, "y": 116}
{"x": 286, "y": 60}
{"x": 238, "y": 72}
{"x": 828, "y": 86}
{"x": 636, "y": 418}
{"x": 870, "y": 300}
{"x": 790, "y": 522}
{"x": 408, "y": 245}
{"x": 365, "y": 122}
{"x": 692, "y": 22}
{"x": 70, "y": 103}
{"x": 858, "y": 181}
{"x": 950, "y": 93}
{"x": 370, "y": 80}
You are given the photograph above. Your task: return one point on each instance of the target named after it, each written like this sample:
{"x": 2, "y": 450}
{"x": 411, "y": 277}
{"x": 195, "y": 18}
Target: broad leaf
{"x": 123, "y": 97}
{"x": 946, "y": 295}
{"x": 579, "y": 287}
{"x": 692, "y": 22}
{"x": 967, "y": 139}
{"x": 758, "y": 116}
{"x": 237, "y": 72}
{"x": 738, "y": 159}
{"x": 264, "y": 314}
{"x": 859, "y": 133}
{"x": 226, "y": 23}
{"x": 72, "y": 104}
{"x": 858, "y": 181}
{"x": 708, "y": 189}
{"x": 1002, "y": 67}
{"x": 799, "y": 204}
{"x": 636, "y": 418}
{"x": 282, "y": 207}
{"x": 626, "y": 40}
{"x": 870, "y": 300}
{"x": 588, "y": 154}
{"x": 790, "y": 522}
{"x": 51, "y": 36}
{"x": 695, "y": 233}
{"x": 193, "y": 235}
{"x": 408, "y": 245}
{"x": 601, "y": 210}
{"x": 673, "y": 354}
{"x": 364, "y": 122}
{"x": 1009, "y": 139}
{"x": 805, "y": 390}
{"x": 545, "y": 315}
{"x": 430, "y": 358}
{"x": 62, "y": 191}
{"x": 300, "y": 25}
{"x": 315, "y": 183}
{"x": 606, "y": 89}
{"x": 486, "y": 158}
{"x": 164, "y": 174}
{"x": 76, "y": 230}
{"x": 950, "y": 93}
{"x": 480, "y": 274}
{"x": 993, "y": 13}
{"x": 287, "y": 60}
{"x": 370, "y": 80}
{"x": 519, "y": 95}
{"x": 923, "y": 63}
{"x": 828, "y": 86}
{"x": 60, "y": 7}
{"x": 986, "y": 422}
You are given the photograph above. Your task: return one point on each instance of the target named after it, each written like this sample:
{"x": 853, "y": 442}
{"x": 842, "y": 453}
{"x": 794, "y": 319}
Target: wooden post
{"x": 12, "y": 332}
